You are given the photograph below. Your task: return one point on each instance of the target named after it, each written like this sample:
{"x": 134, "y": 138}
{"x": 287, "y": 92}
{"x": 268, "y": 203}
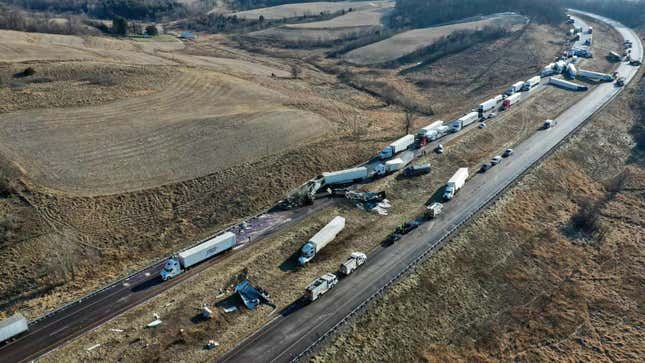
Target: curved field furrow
{"x": 201, "y": 122}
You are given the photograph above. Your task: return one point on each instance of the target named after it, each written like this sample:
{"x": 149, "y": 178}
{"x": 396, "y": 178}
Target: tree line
{"x": 107, "y": 9}
{"x": 424, "y": 13}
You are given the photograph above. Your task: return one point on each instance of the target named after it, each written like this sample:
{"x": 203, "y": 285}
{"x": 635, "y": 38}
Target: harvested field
{"x": 307, "y": 9}
{"x": 198, "y": 124}
{"x": 522, "y": 282}
{"x": 358, "y": 18}
{"x": 410, "y": 41}
{"x": 24, "y": 47}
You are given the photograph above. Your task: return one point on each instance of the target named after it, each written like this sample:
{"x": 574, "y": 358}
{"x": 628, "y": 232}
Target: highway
{"x": 295, "y": 333}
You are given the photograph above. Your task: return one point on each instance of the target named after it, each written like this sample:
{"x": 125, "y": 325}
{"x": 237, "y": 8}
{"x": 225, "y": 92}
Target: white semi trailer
{"x": 13, "y": 326}
{"x": 455, "y": 183}
{"x": 559, "y": 82}
{"x": 464, "y": 121}
{"x": 355, "y": 260}
{"x": 425, "y": 130}
{"x": 595, "y": 75}
{"x": 192, "y": 256}
{"x": 486, "y": 106}
{"x": 321, "y": 239}
{"x": 516, "y": 87}
{"x": 320, "y": 286}
{"x": 345, "y": 176}
{"x": 531, "y": 83}
{"x": 396, "y": 147}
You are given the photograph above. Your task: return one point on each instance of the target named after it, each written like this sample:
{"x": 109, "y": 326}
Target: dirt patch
{"x": 410, "y": 41}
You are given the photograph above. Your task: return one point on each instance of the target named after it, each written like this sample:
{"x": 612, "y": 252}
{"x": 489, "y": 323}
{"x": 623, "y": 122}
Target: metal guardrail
{"x": 442, "y": 241}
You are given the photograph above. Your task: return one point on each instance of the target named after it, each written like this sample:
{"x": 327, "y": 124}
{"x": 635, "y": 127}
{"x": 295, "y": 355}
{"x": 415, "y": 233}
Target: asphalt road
{"x": 294, "y": 333}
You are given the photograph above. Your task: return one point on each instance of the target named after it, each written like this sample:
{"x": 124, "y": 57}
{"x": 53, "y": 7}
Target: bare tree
{"x": 409, "y": 117}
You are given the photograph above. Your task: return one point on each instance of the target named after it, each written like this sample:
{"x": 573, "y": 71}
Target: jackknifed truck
{"x": 192, "y": 256}
{"x": 396, "y": 147}
{"x": 455, "y": 183}
{"x": 355, "y": 260}
{"x": 13, "y": 326}
{"x": 321, "y": 239}
{"x": 320, "y": 286}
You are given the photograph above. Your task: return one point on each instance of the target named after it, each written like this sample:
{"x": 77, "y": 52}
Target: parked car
{"x": 507, "y": 153}
{"x": 492, "y": 115}
{"x": 484, "y": 168}
{"x": 496, "y": 160}
{"x": 439, "y": 149}
{"x": 482, "y": 125}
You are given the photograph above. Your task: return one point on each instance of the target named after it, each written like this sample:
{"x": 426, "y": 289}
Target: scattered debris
{"x": 369, "y": 201}
{"x": 230, "y": 309}
{"x": 206, "y": 312}
{"x": 93, "y": 347}
{"x": 433, "y": 210}
{"x": 252, "y": 296}
{"x": 155, "y": 322}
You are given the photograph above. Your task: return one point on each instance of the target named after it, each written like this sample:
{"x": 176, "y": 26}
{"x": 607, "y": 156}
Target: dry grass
{"x": 306, "y": 9}
{"x": 518, "y": 283}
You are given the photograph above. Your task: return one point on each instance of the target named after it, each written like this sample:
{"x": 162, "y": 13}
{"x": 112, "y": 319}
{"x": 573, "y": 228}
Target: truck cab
{"x": 386, "y": 153}
{"x": 449, "y": 192}
{"x": 171, "y": 269}
{"x": 307, "y": 252}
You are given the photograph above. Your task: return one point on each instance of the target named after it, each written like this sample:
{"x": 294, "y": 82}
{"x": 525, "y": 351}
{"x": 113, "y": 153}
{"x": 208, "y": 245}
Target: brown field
{"x": 522, "y": 282}
{"x": 265, "y": 262}
{"x": 307, "y": 9}
{"x": 358, "y": 18}
{"x": 407, "y": 42}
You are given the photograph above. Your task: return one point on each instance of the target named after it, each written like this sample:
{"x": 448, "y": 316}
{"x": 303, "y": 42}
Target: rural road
{"x": 295, "y": 333}
{"x": 290, "y": 335}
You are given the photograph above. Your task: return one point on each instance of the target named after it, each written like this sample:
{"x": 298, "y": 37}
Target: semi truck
{"x": 595, "y": 75}
{"x": 455, "y": 183}
{"x": 437, "y": 133}
{"x": 13, "y": 326}
{"x": 425, "y": 130}
{"x": 486, "y": 106}
{"x": 321, "y": 239}
{"x": 192, "y": 256}
{"x": 355, "y": 260}
{"x": 511, "y": 100}
{"x": 346, "y": 176}
{"x": 464, "y": 121}
{"x": 572, "y": 86}
{"x": 571, "y": 71}
{"x": 396, "y": 147}
{"x": 516, "y": 87}
{"x": 531, "y": 83}
{"x": 548, "y": 70}
{"x": 320, "y": 286}
{"x": 416, "y": 170}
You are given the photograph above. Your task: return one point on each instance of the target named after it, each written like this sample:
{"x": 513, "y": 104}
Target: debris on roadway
{"x": 252, "y": 296}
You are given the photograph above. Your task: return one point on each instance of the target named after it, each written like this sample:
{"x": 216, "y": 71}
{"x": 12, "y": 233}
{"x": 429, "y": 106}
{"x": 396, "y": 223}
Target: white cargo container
{"x": 345, "y": 176}
{"x": 559, "y": 82}
{"x": 514, "y": 88}
{"x": 13, "y": 326}
{"x": 425, "y": 130}
{"x": 353, "y": 262}
{"x": 437, "y": 133}
{"x": 464, "y": 121}
{"x": 487, "y": 105}
{"x": 321, "y": 239}
{"x": 455, "y": 183}
{"x": 192, "y": 256}
{"x": 595, "y": 75}
{"x": 397, "y": 146}
{"x": 499, "y": 98}
{"x": 320, "y": 286}
{"x": 530, "y": 83}
{"x": 511, "y": 100}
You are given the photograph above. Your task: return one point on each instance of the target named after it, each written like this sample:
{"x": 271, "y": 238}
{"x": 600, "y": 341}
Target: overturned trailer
{"x": 572, "y": 86}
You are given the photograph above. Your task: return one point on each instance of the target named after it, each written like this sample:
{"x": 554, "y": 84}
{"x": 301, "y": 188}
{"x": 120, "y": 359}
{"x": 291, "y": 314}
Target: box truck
{"x": 464, "y": 121}
{"x": 455, "y": 183}
{"x": 396, "y": 147}
{"x": 13, "y": 326}
{"x": 192, "y": 256}
{"x": 321, "y": 239}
